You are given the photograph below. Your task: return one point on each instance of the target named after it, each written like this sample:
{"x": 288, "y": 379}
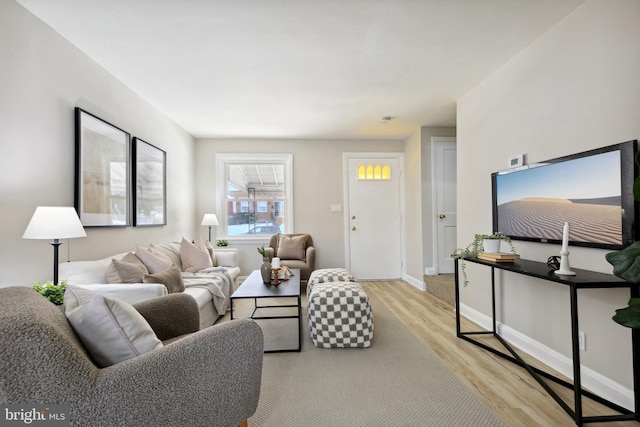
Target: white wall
{"x": 318, "y": 183}
{"x": 418, "y": 216}
{"x": 413, "y": 210}
{"x": 574, "y": 89}
{"x": 42, "y": 78}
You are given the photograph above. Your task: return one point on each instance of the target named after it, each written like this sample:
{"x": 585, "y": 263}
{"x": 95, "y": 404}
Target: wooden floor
{"x": 508, "y": 390}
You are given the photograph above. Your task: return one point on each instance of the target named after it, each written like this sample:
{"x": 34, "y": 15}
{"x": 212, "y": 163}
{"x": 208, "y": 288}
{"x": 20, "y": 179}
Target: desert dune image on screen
{"x": 584, "y": 192}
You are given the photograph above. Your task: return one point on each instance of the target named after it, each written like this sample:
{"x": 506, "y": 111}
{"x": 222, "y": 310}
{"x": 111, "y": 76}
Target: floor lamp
{"x": 210, "y": 220}
{"x": 49, "y": 222}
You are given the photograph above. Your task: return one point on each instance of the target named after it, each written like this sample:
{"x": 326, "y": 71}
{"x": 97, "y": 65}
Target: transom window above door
{"x": 254, "y": 194}
{"x": 374, "y": 172}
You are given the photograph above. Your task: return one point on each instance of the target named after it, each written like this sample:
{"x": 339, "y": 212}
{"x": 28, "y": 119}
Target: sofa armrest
{"x": 271, "y": 252}
{"x": 227, "y": 257}
{"x": 129, "y": 292}
{"x": 171, "y": 316}
{"x": 211, "y": 377}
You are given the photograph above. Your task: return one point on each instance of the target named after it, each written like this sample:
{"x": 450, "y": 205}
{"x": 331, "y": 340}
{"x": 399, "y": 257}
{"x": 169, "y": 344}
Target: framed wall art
{"x": 149, "y": 184}
{"x": 102, "y": 174}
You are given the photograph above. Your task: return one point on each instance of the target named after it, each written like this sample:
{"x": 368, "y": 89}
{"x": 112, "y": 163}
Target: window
{"x": 254, "y": 194}
{"x": 374, "y": 172}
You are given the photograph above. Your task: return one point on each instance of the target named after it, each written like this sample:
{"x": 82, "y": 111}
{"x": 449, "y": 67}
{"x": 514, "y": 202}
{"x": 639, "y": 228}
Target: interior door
{"x": 374, "y": 212}
{"x": 444, "y": 170}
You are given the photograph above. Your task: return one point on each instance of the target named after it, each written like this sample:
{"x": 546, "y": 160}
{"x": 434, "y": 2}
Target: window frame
{"x": 222, "y": 161}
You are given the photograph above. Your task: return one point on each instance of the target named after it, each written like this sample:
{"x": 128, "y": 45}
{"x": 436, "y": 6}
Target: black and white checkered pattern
{"x": 340, "y": 315}
{"x": 325, "y": 275}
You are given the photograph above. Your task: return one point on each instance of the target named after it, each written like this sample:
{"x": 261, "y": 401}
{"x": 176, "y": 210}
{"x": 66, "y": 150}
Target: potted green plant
{"x": 626, "y": 265}
{"x": 478, "y": 246}
{"x": 222, "y": 243}
{"x": 54, "y": 293}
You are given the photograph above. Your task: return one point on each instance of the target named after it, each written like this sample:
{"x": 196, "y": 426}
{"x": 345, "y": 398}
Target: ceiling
{"x": 302, "y": 68}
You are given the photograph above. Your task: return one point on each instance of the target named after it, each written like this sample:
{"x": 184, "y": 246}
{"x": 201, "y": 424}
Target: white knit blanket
{"x": 217, "y": 281}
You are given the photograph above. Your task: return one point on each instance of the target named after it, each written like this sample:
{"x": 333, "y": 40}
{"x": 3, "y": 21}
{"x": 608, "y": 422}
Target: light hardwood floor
{"x": 508, "y": 390}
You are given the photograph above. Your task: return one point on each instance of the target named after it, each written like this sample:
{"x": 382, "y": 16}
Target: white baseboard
{"x": 431, "y": 271}
{"x": 417, "y": 283}
{"x": 591, "y": 380}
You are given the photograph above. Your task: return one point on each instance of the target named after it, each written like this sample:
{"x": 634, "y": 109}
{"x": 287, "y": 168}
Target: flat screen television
{"x": 592, "y": 191}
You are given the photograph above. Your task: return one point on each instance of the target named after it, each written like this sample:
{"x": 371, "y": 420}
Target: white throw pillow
{"x": 155, "y": 262}
{"x": 112, "y": 331}
{"x": 75, "y": 296}
{"x": 171, "y": 250}
{"x": 195, "y": 257}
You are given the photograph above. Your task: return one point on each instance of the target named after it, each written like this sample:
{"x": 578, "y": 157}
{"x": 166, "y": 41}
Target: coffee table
{"x": 254, "y": 288}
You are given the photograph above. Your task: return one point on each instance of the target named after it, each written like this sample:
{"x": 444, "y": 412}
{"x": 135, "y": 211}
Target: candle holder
{"x": 564, "y": 269}
{"x": 276, "y": 280}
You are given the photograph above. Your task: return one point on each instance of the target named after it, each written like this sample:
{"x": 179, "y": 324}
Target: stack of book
{"x": 497, "y": 257}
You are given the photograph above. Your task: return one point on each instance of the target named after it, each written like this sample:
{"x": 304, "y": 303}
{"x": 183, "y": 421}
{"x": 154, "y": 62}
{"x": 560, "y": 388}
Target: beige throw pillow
{"x": 292, "y": 247}
{"x": 195, "y": 257}
{"x": 129, "y": 269}
{"x": 112, "y": 331}
{"x": 129, "y": 272}
{"x": 171, "y": 278}
{"x": 212, "y": 252}
{"x": 155, "y": 262}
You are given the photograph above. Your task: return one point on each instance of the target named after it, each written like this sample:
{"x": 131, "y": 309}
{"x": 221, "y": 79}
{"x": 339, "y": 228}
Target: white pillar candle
{"x": 565, "y": 237}
{"x": 275, "y": 263}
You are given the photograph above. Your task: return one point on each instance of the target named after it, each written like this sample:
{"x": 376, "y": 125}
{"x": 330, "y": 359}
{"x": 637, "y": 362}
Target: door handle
{"x": 442, "y": 216}
{"x": 353, "y": 228}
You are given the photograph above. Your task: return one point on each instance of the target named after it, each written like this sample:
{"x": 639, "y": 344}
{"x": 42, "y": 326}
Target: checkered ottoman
{"x": 325, "y": 275}
{"x": 339, "y": 315}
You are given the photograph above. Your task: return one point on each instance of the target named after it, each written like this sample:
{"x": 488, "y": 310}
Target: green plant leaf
{"x": 54, "y": 293}
{"x": 626, "y": 263}
{"x": 628, "y": 316}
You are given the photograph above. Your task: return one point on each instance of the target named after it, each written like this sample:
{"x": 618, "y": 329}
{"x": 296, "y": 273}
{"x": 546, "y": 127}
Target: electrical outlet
{"x": 582, "y": 341}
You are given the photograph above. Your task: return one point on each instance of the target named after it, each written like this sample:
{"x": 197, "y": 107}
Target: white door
{"x": 374, "y": 218}
{"x": 444, "y": 171}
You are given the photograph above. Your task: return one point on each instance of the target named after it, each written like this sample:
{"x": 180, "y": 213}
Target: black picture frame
{"x": 102, "y": 190}
{"x": 149, "y": 184}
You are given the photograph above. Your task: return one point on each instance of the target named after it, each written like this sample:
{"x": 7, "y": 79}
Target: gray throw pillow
{"x": 171, "y": 278}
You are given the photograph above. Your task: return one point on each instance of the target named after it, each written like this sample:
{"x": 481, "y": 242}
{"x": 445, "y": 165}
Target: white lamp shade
{"x": 210, "y": 219}
{"x": 54, "y": 222}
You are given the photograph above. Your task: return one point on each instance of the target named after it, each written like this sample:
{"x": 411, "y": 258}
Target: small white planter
{"x": 491, "y": 246}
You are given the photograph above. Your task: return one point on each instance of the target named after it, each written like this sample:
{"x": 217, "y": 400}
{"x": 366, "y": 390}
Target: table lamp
{"x": 54, "y": 222}
{"x": 210, "y": 220}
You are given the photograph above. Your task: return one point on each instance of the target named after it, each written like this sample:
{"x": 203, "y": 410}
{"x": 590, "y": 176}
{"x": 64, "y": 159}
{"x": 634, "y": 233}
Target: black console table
{"x": 584, "y": 279}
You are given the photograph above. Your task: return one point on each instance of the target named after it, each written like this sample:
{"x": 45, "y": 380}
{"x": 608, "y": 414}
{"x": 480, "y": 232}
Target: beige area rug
{"x": 395, "y": 382}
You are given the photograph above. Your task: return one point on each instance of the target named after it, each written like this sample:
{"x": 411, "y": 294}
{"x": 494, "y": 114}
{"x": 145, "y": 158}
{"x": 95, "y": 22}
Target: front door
{"x": 374, "y": 218}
